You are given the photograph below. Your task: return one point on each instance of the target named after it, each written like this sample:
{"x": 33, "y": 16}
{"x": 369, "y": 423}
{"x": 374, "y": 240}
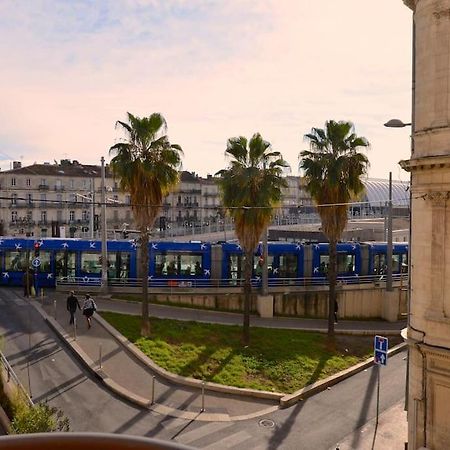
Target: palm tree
{"x": 147, "y": 165}
{"x": 332, "y": 169}
{"x": 250, "y": 189}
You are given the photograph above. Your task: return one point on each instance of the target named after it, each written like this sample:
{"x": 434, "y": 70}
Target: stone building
{"x": 428, "y": 332}
{"x": 58, "y": 200}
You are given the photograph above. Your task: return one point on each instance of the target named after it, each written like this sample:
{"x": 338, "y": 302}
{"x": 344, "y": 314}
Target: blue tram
{"x": 190, "y": 263}
{"x": 285, "y": 261}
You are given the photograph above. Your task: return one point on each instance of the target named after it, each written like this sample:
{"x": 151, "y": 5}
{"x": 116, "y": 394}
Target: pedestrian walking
{"x": 72, "y": 305}
{"x": 27, "y": 281}
{"x": 89, "y": 307}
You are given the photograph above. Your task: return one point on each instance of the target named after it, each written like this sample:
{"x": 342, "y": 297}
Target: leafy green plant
{"x": 40, "y": 418}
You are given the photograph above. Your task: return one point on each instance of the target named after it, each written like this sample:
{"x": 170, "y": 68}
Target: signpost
{"x": 380, "y": 348}
{"x": 380, "y": 357}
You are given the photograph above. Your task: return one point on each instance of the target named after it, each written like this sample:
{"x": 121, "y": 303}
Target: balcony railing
{"x": 22, "y": 222}
{"x": 43, "y": 187}
{"x": 60, "y": 188}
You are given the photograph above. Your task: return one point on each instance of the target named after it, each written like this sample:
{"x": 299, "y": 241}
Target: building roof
{"x": 59, "y": 170}
{"x": 377, "y": 192}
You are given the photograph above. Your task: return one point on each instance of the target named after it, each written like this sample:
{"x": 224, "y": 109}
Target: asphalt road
{"x": 317, "y": 423}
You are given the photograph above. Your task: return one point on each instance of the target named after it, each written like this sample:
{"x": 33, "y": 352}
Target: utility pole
{"x": 265, "y": 275}
{"x": 389, "y": 239}
{"x": 104, "y": 287}
{"x": 91, "y": 215}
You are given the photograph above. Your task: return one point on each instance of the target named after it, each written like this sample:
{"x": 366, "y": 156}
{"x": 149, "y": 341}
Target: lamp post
{"x": 104, "y": 230}
{"x": 393, "y": 123}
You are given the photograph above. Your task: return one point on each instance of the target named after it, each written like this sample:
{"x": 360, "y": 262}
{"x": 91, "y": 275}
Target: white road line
{"x": 202, "y": 431}
{"x": 229, "y": 441}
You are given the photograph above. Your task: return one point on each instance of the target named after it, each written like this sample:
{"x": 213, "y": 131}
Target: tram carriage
{"x": 191, "y": 264}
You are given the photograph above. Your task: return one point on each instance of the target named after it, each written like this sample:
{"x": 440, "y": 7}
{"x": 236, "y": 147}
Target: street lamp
{"x": 396, "y": 123}
{"x": 393, "y": 123}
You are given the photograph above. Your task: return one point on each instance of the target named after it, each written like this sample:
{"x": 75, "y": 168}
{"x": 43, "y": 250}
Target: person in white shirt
{"x": 89, "y": 307}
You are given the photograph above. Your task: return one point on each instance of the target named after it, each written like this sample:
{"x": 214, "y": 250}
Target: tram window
{"x": 324, "y": 263}
{"x": 178, "y": 264}
{"x": 404, "y": 259}
{"x": 90, "y": 262}
{"x": 288, "y": 266}
{"x": 112, "y": 265}
{"x": 345, "y": 263}
{"x": 118, "y": 265}
{"x": 234, "y": 267}
{"x": 15, "y": 261}
{"x": 396, "y": 261}
{"x": 45, "y": 262}
{"x": 379, "y": 264}
{"x": 65, "y": 264}
{"x": 258, "y": 264}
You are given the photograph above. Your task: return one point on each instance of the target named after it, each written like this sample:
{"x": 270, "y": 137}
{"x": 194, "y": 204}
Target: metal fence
{"x": 11, "y": 377}
{"x": 183, "y": 283}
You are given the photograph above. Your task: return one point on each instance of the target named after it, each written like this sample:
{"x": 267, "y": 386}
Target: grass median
{"x": 276, "y": 360}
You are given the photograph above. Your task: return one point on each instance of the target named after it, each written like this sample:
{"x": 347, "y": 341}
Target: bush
{"x": 40, "y": 418}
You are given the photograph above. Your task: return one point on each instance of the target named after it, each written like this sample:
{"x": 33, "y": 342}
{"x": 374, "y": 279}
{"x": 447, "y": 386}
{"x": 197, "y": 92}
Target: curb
{"x": 283, "y": 399}
{"x": 186, "y": 381}
{"x": 315, "y": 388}
{"x": 136, "y": 399}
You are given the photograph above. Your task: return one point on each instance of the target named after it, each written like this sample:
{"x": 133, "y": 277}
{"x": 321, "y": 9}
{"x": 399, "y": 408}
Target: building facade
{"x": 428, "y": 332}
{"x": 63, "y": 200}
{"x": 59, "y": 200}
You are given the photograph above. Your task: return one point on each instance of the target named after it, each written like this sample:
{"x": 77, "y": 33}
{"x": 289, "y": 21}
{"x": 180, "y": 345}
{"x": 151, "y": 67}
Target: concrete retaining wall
{"x": 355, "y": 302}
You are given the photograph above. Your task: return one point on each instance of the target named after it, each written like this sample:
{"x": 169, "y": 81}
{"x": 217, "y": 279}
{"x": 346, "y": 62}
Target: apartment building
{"x": 58, "y": 200}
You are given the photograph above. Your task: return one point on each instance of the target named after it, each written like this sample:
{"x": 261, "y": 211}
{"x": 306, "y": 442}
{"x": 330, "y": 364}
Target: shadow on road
{"x": 283, "y": 431}
{"x": 371, "y": 385}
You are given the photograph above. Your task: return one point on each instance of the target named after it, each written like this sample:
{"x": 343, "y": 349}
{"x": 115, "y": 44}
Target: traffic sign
{"x": 36, "y": 262}
{"x": 381, "y": 345}
{"x": 380, "y": 358}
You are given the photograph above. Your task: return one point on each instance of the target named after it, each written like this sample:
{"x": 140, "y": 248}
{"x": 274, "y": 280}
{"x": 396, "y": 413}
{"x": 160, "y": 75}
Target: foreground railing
{"x": 189, "y": 283}
{"x": 79, "y": 441}
{"x": 11, "y": 377}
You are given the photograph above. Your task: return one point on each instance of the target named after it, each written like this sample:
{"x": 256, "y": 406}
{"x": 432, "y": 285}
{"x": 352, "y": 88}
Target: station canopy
{"x": 377, "y": 192}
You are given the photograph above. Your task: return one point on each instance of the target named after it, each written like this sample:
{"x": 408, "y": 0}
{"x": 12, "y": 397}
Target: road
{"x": 48, "y": 368}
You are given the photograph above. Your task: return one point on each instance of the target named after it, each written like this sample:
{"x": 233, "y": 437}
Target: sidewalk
{"x": 135, "y": 378}
{"x": 127, "y": 372}
{"x": 391, "y": 432}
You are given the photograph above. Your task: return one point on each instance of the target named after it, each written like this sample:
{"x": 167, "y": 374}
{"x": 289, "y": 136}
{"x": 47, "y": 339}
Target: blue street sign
{"x": 381, "y": 345}
{"x": 380, "y": 358}
{"x": 36, "y": 262}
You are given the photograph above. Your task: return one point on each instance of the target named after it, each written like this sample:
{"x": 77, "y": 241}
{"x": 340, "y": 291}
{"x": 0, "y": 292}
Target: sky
{"x": 213, "y": 69}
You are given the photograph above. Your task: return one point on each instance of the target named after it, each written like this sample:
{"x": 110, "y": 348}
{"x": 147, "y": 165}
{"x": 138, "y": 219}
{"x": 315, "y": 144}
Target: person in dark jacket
{"x": 72, "y": 305}
{"x": 28, "y": 281}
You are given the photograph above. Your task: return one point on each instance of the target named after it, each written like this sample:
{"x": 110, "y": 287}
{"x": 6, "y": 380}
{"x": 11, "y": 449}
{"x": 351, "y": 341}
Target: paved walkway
{"x": 128, "y": 372}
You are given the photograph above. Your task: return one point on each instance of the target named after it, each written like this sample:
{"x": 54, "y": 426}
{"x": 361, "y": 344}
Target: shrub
{"x": 40, "y": 418}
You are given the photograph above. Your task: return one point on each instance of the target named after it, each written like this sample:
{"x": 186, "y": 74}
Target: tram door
{"x": 234, "y": 268}
{"x": 65, "y": 264}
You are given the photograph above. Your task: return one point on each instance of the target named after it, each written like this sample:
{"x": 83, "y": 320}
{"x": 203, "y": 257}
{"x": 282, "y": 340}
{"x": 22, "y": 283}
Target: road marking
{"x": 19, "y": 301}
{"x": 202, "y": 431}
{"x": 229, "y": 441}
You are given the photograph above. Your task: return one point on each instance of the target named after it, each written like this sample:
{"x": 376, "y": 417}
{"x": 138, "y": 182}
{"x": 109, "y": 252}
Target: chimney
{"x": 17, "y": 164}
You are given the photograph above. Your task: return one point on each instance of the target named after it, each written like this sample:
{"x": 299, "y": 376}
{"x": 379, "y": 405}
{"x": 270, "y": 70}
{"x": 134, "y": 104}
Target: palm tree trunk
{"x": 332, "y": 274}
{"x": 145, "y": 324}
{"x": 248, "y": 268}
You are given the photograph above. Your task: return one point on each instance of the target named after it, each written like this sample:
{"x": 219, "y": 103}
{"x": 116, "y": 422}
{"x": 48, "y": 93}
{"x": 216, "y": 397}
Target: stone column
{"x": 428, "y": 333}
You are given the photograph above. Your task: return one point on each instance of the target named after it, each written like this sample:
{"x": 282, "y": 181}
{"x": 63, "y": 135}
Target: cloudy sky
{"x": 214, "y": 68}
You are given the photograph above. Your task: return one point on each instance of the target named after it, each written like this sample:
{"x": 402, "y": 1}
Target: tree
{"x": 251, "y": 187}
{"x": 332, "y": 169}
{"x": 147, "y": 165}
